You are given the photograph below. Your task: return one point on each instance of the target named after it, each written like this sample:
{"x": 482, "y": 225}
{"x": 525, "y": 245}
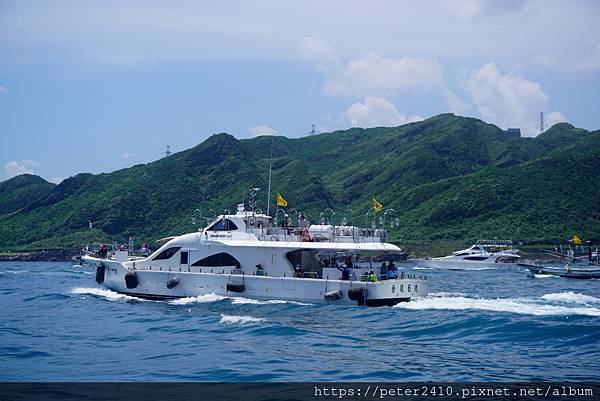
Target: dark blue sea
{"x": 57, "y": 324}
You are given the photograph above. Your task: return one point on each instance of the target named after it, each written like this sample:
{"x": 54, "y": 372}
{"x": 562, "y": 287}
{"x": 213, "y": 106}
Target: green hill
{"x": 449, "y": 178}
{"x": 21, "y": 191}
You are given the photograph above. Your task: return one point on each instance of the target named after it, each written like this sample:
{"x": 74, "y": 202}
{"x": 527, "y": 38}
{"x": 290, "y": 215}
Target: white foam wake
{"x": 248, "y": 301}
{"x": 200, "y": 299}
{"x": 571, "y": 297}
{"x": 235, "y": 319}
{"x": 525, "y": 306}
{"x": 105, "y": 293}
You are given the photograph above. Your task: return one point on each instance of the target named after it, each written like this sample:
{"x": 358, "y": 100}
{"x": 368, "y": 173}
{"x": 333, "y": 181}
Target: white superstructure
{"x": 244, "y": 254}
{"x": 482, "y": 255}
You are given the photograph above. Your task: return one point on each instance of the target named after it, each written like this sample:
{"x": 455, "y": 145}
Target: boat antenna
{"x": 269, "y": 188}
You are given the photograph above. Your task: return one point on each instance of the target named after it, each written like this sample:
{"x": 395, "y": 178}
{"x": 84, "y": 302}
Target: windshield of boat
{"x": 223, "y": 225}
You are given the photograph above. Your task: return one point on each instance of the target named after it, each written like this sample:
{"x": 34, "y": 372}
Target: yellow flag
{"x": 576, "y": 240}
{"x": 280, "y": 200}
{"x": 376, "y": 205}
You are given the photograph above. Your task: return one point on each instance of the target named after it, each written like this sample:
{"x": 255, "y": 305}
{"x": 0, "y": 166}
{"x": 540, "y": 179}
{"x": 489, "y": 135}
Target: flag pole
{"x": 269, "y": 189}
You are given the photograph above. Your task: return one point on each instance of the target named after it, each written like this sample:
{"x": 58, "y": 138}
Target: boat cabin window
{"x": 462, "y": 254}
{"x": 167, "y": 253}
{"x": 183, "y": 258}
{"x": 223, "y": 225}
{"x": 217, "y": 260}
{"x": 475, "y": 258}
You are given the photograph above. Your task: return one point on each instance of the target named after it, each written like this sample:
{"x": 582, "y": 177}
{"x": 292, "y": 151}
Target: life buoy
{"x": 304, "y": 234}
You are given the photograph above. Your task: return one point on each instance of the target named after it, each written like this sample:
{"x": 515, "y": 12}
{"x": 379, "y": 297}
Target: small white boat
{"x": 243, "y": 254}
{"x": 482, "y": 255}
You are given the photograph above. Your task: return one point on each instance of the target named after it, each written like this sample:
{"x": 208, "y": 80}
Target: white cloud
{"x": 56, "y": 180}
{"x": 3, "y": 89}
{"x": 554, "y": 118}
{"x": 25, "y": 166}
{"x": 454, "y": 102}
{"x": 262, "y": 130}
{"x": 128, "y": 155}
{"x": 375, "y": 75}
{"x": 508, "y": 100}
{"x": 377, "y": 112}
{"x": 319, "y": 52}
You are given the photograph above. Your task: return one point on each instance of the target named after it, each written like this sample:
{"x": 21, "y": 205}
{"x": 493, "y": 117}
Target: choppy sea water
{"x": 57, "y": 324}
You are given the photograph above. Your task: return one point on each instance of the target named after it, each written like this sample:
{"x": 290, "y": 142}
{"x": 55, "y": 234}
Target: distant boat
{"x": 574, "y": 266}
{"x": 485, "y": 254}
{"x": 566, "y": 271}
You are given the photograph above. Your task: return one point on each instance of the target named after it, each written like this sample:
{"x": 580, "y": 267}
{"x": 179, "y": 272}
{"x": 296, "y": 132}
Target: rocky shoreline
{"x": 50, "y": 255}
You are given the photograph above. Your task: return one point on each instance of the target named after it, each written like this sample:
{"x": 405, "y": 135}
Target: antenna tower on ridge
{"x": 313, "y": 131}
{"x": 541, "y": 122}
{"x": 168, "y": 152}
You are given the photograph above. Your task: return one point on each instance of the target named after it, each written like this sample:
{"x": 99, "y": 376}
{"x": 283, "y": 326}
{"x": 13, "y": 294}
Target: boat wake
{"x": 248, "y": 301}
{"x": 571, "y": 297}
{"x": 544, "y": 276}
{"x": 200, "y": 299}
{"x": 104, "y": 293}
{"x": 555, "y": 304}
{"x": 209, "y": 298}
{"x": 235, "y": 319}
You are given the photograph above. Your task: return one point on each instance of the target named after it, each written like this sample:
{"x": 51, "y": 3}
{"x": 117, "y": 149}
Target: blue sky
{"x": 97, "y": 86}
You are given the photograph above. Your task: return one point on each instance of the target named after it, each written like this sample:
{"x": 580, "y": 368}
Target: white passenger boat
{"x": 243, "y": 254}
{"x": 482, "y": 255}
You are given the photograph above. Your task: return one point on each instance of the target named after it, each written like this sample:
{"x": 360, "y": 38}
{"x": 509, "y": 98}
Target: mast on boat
{"x": 269, "y": 188}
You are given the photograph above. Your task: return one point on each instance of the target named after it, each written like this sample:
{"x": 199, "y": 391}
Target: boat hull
{"x": 153, "y": 284}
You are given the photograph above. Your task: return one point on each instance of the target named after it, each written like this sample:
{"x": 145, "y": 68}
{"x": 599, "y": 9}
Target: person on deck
{"x": 345, "y": 272}
{"x": 372, "y": 276}
{"x": 383, "y": 271}
{"x": 348, "y": 262}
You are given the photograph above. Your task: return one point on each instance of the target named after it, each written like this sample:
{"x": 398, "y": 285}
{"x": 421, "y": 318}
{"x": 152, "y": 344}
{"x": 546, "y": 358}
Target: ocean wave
{"x": 571, "y": 297}
{"x": 102, "y": 292}
{"x": 524, "y": 306}
{"x": 200, "y": 299}
{"x": 235, "y": 319}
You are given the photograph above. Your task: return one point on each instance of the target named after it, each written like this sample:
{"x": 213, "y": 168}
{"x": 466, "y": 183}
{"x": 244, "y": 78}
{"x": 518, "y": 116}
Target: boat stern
{"x": 389, "y": 292}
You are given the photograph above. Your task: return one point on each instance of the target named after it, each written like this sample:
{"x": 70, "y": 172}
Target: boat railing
{"x": 339, "y": 234}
